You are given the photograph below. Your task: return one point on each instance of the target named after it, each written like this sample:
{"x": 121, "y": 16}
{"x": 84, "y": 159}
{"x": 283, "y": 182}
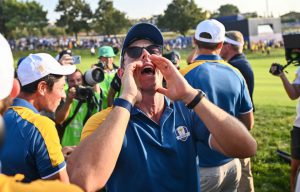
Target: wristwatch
{"x": 196, "y": 99}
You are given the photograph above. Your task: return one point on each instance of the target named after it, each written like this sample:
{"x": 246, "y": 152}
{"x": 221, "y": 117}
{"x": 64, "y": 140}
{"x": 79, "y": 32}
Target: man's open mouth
{"x": 148, "y": 70}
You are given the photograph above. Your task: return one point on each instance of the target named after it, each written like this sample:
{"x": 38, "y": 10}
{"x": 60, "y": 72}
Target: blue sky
{"x": 142, "y": 8}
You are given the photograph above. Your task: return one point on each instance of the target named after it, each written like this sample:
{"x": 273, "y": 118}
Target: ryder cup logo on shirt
{"x": 182, "y": 133}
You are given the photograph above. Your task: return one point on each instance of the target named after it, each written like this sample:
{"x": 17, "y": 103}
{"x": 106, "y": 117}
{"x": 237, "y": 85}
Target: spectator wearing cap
{"x": 226, "y": 88}
{"x": 232, "y": 52}
{"x": 32, "y": 145}
{"x": 146, "y": 142}
{"x": 9, "y": 90}
{"x": 106, "y": 62}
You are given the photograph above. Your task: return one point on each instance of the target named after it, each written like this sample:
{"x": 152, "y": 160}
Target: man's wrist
{"x": 196, "y": 99}
{"x": 190, "y": 96}
{"x": 123, "y": 103}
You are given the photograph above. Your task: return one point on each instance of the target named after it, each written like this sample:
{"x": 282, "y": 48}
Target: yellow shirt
{"x": 13, "y": 184}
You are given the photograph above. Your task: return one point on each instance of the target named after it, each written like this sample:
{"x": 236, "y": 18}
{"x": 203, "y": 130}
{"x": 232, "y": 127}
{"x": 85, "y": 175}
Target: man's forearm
{"x": 229, "y": 133}
{"x": 93, "y": 161}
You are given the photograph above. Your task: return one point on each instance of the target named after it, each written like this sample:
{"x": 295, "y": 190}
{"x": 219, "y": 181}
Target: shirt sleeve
{"x": 94, "y": 122}
{"x": 46, "y": 148}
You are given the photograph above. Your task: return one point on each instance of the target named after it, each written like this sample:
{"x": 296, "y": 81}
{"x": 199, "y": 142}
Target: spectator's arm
{"x": 62, "y": 113}
{"x": 292, "y": 90}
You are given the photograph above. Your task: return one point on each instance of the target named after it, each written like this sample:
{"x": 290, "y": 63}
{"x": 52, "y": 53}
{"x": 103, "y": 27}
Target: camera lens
{"x": 93, "y": 76}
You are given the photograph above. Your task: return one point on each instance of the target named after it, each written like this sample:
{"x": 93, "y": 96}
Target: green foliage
{"x": 55, "y": 31}
{"x": 227, "y": 10}
{"x": 22, "y": 18}
{"x": 109, "y": 20}
{"x": 75, "y": 15}
{"x": 180, "y": 16}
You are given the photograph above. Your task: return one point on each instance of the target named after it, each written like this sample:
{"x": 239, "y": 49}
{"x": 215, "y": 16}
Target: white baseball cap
{"x": 37, "y": 66}
{"x": 6, "y": 68}
{"x": 212, "y": 27}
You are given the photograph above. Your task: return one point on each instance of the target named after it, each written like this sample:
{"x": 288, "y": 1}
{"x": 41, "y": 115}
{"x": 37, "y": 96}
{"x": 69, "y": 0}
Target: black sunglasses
{"x": 135, "y": 52}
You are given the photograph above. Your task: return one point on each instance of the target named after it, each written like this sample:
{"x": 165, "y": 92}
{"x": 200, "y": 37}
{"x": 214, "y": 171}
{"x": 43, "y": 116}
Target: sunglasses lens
{"x": 154, "y": 49}
{"x": 134, "y": 52}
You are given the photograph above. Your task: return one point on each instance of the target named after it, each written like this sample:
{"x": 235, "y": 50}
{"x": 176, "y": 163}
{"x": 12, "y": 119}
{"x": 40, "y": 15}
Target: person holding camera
{"x": 81, "y": 102}
{"x": 293, "y": 91}
{"x": 106, "y": 62}
{"x": 146, "y": 142}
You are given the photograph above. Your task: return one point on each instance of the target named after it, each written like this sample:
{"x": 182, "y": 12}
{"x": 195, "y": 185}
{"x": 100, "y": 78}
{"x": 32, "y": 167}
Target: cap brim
{"x": 143, "y": 31}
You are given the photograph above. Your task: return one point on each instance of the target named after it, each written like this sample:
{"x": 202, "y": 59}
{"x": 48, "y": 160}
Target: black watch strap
{"x": 196, "y": 99}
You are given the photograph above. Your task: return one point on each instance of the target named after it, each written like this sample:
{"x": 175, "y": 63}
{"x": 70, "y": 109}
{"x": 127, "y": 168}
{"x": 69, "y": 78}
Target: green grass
{"x": 274, "y": 117}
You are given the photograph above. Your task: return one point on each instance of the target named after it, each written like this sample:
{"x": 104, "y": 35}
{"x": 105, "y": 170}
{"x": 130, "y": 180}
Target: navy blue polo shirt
{"x": 155, "y": 156}
{"x": 226, "y": 88}
{"x": 240, "y": 62}
{"x": 31, "y": 143}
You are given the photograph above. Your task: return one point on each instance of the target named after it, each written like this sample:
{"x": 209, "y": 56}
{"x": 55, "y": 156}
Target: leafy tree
{"x": 228, "y": 9}
{"x": 35, "y": 18}
{"x": 75, "y": 17}
{"x": 180, "y": 16}
{"x": 20, "y": 16}
{"x": 109, "y": 20}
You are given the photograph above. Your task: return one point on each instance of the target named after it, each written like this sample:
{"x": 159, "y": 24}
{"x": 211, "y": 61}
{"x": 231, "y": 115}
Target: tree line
{"x": 18, "y": 18}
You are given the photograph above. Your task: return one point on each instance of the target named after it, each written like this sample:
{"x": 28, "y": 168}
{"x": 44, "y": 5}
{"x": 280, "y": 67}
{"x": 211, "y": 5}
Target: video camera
{"x": 292, "y": 53}
{"x": 90, "y": 78}
{"x": 292, "y": 48}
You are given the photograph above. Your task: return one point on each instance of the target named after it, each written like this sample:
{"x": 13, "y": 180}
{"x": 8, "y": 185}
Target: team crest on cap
{"x": 41, "y": 69}
{"x": 182, "y": 133}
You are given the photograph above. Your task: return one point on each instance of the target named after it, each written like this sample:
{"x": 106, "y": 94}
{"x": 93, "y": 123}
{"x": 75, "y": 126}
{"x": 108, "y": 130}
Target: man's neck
{"x": 208, "y": 52}
{"x": 152, "y": 105}
{"x": 29, "y": 98}
{"x": 230, "y": 55}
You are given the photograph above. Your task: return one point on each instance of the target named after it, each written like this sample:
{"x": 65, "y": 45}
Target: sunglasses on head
{"x": 135, "y": 52}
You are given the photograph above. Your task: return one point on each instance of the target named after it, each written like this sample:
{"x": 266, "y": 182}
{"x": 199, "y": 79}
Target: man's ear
{"x": 16, "y": 89}
{"x": 220, "y": 45}
{"x": 120, "y": 72}
{"x": 42, "y": 88}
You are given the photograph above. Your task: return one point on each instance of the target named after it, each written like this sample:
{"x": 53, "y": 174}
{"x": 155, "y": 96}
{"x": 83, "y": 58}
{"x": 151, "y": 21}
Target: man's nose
{"x": 145, "y": 55}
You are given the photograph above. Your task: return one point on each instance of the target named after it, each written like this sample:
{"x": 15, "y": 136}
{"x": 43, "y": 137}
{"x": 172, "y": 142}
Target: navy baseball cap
{"x": 143, "y": 31}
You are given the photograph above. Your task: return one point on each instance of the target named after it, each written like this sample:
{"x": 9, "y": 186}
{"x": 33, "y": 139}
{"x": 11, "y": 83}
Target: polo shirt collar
{"x": 208, "y": 57}
{"x": 136, "y": 110}
{"x": 23, "y": 103}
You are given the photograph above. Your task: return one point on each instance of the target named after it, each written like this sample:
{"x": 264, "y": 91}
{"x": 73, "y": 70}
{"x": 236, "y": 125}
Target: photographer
{"x": 293, "y": 91}
{"x": 80, "y": 104}
{"x": 106, "y": 62}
